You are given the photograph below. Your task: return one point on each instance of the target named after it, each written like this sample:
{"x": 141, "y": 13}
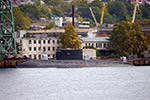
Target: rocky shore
{"x": 72, "y": 64}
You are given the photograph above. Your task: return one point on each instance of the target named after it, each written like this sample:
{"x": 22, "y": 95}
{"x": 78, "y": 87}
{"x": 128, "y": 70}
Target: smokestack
{"x": 73, "y": 15}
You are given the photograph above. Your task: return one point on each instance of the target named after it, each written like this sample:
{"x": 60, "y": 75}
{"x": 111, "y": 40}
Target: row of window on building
{"x": 97, "y": 45}
{"x": 42, "y": 48}
{"x": 43, "y": 41}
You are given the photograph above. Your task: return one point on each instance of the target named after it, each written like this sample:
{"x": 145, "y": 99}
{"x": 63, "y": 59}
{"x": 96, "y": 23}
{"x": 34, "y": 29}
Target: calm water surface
{"x": 103, "y": 83}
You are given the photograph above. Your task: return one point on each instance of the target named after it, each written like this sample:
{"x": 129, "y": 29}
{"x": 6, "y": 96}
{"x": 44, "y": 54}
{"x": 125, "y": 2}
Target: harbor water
{"x": 94, "y": 83}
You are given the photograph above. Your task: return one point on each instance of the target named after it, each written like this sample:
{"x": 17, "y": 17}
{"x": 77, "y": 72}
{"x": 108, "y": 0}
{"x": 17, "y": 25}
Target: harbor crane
{"x": 102, "y": 15}
{"x": 136, "y": 6}
{"x": 7, "y": 32}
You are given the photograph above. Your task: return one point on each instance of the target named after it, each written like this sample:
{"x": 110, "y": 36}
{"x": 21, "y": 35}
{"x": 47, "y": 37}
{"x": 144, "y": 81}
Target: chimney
{"x": 73, "y": 15}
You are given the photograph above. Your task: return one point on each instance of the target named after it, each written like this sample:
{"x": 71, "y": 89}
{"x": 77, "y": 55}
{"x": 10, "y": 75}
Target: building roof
{"x": 96, "y": 39}
{"x": 60, "y": 30}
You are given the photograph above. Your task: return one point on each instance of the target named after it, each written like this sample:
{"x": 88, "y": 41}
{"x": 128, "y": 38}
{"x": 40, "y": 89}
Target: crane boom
{"x": 94, "y": 17}
{"x": 134, "y": 11}
{"x": 102, "y": 13}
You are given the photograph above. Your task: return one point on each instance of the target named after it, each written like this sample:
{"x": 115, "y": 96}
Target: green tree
{"x": 50, "y": 25}
{"x": 69, "y": 38}
{"x": 117, "y": 8}
{"x": 53, "y": 2}
{"x": 80, "y": 3}
{"x": 44, "y": 11}
{"x": 127, "y": 37}
{"x": 57, "y": 11}
{"x": 20, "y": 21}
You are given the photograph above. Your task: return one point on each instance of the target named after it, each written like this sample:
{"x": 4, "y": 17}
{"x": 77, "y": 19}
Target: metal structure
{"x": 102, "y": 13}
{"x": 94, "y": 17}
{"x": 7, "y": 32}
{"x": 136, "y": 6}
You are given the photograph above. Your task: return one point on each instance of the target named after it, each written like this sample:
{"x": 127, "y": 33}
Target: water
{"x": 103, "y": 83}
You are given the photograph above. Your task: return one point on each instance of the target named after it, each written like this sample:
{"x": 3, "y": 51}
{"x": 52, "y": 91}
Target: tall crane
{"x": 102, "y": 13}
{"x": 7, "y": 32}
{"x": 136, "y": 6}
{"x": 94, "y": 17}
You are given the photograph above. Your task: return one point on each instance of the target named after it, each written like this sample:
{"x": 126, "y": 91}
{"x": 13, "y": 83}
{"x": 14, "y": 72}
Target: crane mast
{"x": 7, "y": 32}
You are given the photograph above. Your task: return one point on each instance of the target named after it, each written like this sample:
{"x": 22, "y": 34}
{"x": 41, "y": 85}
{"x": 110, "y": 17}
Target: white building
{"x": 34, "y": 45}
{"x": 97, "y": 42}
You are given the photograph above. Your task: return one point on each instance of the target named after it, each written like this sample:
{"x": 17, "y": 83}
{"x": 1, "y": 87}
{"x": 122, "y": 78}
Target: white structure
{"x": 34, "y": 45}
{"x": 83, "y": 24}
{"x": 59, "y": 22}
{"x": 89, "y": 54}
{"x": 97, "y": 42}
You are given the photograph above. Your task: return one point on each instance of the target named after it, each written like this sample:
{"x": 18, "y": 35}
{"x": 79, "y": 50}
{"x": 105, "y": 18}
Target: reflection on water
{"x": 103, "y": 83}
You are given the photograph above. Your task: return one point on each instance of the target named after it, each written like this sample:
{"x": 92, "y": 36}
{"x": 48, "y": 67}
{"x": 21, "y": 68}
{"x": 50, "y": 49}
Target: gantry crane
{"x": 7, "y": 32}
{"x": 136, "y": 6}
{"x": 102, "y": 15}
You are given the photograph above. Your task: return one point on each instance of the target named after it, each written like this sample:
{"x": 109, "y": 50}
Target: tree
{"x": 127, "y": 37}
{"x": 69, "y": 38}
{"x": 117, "y": 8}
{"x": 20, "y": 21}
{"x": 57, "y": 11}
{"x": 53, "y": 2}
{"x": 50, "y": 25}
{"x": 80, "y": 3}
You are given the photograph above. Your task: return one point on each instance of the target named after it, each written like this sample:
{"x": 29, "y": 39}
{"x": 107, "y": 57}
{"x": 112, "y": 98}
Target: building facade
{"x": 34, "y": 45}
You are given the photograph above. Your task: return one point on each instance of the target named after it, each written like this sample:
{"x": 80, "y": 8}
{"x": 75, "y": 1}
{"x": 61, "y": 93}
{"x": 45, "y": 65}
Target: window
{"x": 85, "y": 44}
{"x": 44, "y": 41}
{"x": 39, "y": 56}
{"x": 99, "y": 45}
{"x": 30, "y": 41}
{"x": 96, "y": 45}
{"x": 53, "y": 56}
{"x": 34, "y": 41}
{"x": 48, "y": 41}
{"x": 34, "y": 48}
{"x": 48, "y": 48}
{"x": 44, "y": 49}
{"x": 57, "y": 41}
{"x": 39, "y": 48}
{"x": 53, "y": 41}
{"x": 30, "y": 49}
{"x": 53, "y": 48}
{"x": 92, "y": 44}
{"x": 39, "y": 41}
{"x": 34, "y": 56}
{"x": 30, "y": 56}
{"x": 105, "y": 45}
{"x": 48, "y": 55}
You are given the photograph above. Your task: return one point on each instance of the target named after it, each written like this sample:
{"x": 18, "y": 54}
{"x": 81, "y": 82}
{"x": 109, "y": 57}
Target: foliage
{"x": 57, "y": 11}
{"x": 91, "y": 47}
{"x": 35, "y": 12}
{"x": 53, "y": 2}
{"x": 114, "y": 55}
{"x": 20, "y": 21}
{"x": 80, "y": 3}
{"x": 50, "y": 25}
{"x": 117, "y": 8}
{"x": 127, "y": 37}
{"x": 69, "y": 38}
